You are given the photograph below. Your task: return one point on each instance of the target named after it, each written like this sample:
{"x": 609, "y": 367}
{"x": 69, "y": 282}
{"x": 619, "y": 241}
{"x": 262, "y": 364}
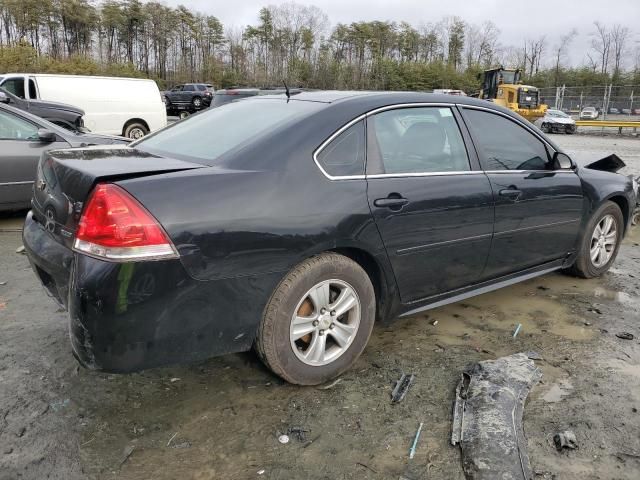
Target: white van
{"x": 130, "y": 107}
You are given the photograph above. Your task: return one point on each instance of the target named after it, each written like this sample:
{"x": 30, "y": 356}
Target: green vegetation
{"x": 290, "y": 42}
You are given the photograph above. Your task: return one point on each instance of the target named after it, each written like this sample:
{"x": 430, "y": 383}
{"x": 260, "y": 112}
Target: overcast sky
{"x": 517, "y": 19}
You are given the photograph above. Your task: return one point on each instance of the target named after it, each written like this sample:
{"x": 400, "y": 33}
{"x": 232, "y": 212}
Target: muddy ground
{"x": 221, "y": 419}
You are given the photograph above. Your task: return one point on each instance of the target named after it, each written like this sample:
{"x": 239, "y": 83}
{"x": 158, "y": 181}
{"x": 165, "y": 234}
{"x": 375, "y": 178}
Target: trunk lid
{"x": 66, "y": 177}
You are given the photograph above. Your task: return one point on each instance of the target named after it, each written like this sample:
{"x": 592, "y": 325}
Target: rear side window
{"x": 33, "y": 93}
{"x": 189, "y": 88}
{"x": 505, "y": 145}
{"x": 416, "y": 140}
{"x": 344, "y": 155}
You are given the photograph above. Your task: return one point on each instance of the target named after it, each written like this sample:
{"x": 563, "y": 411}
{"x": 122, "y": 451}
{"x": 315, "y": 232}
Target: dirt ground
{"x": 221, "y": 419}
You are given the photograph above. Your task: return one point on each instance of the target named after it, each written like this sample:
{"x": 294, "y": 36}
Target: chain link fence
{"x": 608, "y": 99}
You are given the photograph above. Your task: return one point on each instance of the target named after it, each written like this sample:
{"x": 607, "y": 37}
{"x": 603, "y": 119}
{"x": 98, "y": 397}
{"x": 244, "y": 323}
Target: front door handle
{"x": 391, "y": 202}
{"x": 511, "y": 192}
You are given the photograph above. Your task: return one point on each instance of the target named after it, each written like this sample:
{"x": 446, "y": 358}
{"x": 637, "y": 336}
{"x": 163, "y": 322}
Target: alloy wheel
{"x": 603, "y": 241}
{"x": 325, "y": 322}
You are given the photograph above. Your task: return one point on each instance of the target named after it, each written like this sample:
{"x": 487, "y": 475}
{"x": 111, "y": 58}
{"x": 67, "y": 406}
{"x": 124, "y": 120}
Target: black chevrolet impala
{"x": 292, "y": 225}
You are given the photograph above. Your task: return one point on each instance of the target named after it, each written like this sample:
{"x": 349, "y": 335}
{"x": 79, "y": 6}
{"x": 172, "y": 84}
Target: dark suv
{"x": 189, "y": 96}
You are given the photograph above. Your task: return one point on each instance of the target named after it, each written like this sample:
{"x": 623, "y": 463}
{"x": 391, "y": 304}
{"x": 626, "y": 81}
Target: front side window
{"x": 416, "y": 140}
{"x": 344, "y": 155}
{"x": 505, "y": 145}
{"x": 14, "y": 128}
{"x": 15, "y": 86}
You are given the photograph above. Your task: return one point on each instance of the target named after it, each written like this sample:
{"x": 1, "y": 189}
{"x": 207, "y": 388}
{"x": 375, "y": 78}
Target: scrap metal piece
{"x": 565, "y": 440}
{"x": 402, "y": 387}
{"x": 610, "y": 163}
{"x": 487, "y": 418}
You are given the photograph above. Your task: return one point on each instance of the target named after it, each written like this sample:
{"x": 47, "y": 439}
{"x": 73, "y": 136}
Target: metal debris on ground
{"x": 517, "y": 330}
{"x": 127, "y": 453}
{"x": 298, "y": 432}
{"x": 625, "y": 335}
{"x": 171, "y": 439}
{"x": 565, "y": 439}
{"x": 487, "y": 417}
{"x": 534, "y": 356}
{"x": 283, "y": 439}
{"x": 434, "y": 323}
{"x": 20, "y": 249}
{"x": 402, "y": 387}
{"x": 412, "y": 450}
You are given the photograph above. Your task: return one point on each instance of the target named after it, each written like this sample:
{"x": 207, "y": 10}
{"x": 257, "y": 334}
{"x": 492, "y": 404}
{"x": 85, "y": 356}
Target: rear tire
{"x": 600, "y": 243}
{"x": 318, "y": 320}
{"x": 135, "y": 130}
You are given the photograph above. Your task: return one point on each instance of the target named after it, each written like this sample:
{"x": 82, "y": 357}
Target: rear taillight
{"x": 115, "y": 226}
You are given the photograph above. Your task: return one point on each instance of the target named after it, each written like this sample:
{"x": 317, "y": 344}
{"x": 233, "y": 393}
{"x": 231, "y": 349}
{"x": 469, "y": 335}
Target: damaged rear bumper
{"x": 125, "y": 317}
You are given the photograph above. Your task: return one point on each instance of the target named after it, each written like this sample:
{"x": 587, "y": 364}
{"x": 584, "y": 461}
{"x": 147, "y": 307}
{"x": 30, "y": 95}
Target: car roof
{"x": 41, "y": 122}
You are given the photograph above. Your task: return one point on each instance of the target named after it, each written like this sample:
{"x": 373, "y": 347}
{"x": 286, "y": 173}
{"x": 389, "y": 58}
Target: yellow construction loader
{"x": 504, "y": 87}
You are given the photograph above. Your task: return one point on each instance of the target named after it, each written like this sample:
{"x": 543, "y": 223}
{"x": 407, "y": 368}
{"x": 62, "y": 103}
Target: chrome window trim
{"x": 27, "y": 182}
{"x": 427, "y": 174}
{"x": 356, "y": 120}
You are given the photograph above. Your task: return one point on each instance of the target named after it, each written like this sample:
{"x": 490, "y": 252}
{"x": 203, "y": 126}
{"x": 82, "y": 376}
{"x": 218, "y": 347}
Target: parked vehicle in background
{"x": 449, "y": 91}
{"x": 589, "y": 113}
{"x": 293, "y": 224}
{"x": 130, "y": 107}
{"x": 23, "y": 139}
{"x": 556, "y": 121}
{"x": 61, "y": 114}
{"x": 232, "y": 94}
{"x": 613, "y": 110}
{"x": 189, "y": 96}
{"x": 626, "y": 111}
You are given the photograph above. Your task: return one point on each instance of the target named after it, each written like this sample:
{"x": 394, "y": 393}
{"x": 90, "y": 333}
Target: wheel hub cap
{"x": 603, "y": 241}
{"x": 325, "y": 322}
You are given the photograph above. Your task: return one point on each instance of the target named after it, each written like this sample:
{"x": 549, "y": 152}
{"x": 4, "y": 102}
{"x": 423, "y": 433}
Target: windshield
{"x": 205, "y": 137}
{"x": 558, "y": 113}
{"x": 508, "y": 77}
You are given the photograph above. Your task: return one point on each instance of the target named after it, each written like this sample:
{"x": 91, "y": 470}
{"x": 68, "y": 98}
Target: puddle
{"x": 558, "y": 391}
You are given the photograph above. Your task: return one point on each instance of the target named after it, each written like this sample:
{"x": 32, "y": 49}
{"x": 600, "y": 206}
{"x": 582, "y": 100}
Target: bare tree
{"x": 560, "y": 51}
{"x": 619, "y": 36}
{"x": 533, "y": 50}
{"x": 601, "y": 44}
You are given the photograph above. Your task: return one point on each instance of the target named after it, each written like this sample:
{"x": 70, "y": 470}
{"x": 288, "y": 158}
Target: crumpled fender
{"x": 487, "y": 418}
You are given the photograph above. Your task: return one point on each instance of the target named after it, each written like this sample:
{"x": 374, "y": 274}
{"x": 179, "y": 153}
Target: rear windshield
{"x": 205, "y": 137}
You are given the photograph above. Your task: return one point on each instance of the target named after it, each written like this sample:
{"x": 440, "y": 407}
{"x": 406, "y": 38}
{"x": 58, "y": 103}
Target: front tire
{"x": 318, "y": 320}
{"x": 135, "y": 131}
{"x": 600, "y": 243}
{"x": 197, "y": 102}
{"x": 545, "y": 128}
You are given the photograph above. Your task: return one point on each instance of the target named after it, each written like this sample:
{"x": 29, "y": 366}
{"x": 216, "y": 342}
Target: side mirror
{"x": 4, "y": 98}
{"x": 562, "y": 161}
{"x": 47, "y": 136}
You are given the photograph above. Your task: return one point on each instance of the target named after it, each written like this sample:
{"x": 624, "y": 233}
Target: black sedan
{"x": 292, "y": 225}
{"x": 23, "y": 139}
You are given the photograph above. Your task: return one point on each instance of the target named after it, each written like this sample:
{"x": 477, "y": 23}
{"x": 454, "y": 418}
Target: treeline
{"x": 289, "y": 42}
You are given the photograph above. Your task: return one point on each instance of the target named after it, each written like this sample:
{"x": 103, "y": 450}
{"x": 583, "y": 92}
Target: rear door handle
{"x": 390, "y": 202}
{"x": 512, "y": 193}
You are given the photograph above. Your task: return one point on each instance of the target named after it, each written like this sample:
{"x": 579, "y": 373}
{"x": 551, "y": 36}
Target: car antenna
{"x": 286, "y": 91}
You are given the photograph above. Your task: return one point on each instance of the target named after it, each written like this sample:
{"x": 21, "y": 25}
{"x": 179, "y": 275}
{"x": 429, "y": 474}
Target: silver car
{"x": 556, "y": 121}
{"x": 589, "y": 113}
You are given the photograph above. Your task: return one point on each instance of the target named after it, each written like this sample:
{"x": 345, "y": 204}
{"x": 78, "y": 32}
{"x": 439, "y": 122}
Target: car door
{"x": 20, "y": 151}
{"x": 431, "y": 202}
{"x": 538, "y": 206}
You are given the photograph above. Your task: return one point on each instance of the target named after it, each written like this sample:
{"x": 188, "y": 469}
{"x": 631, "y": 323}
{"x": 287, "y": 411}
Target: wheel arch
{"x": 383, "y": 286}
{"x": 135, "y": 120}
{"x": 623, "y": 203}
